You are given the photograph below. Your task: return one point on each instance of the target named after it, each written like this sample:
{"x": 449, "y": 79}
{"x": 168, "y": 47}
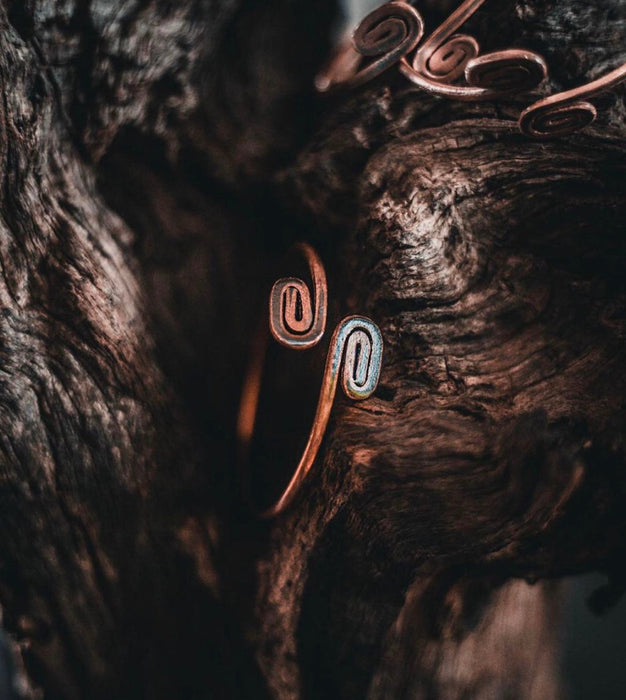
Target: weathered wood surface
{"x": 157, "y": 157}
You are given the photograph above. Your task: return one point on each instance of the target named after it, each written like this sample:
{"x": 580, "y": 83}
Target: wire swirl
{"x": 508, "y": 71}
{"x": 389, "y": 32}
{"x": 296, "y": 319}
{"x": 447, "y": 61}
{"x": 569, "y": 111}
{"x": 445, "y": 56}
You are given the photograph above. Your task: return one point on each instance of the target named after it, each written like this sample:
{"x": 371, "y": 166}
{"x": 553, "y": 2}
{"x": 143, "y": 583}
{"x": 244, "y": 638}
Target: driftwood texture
{"x": 157, "y": 158}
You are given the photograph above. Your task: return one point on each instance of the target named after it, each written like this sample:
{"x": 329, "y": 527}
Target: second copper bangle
{"x": 446, "y": 58}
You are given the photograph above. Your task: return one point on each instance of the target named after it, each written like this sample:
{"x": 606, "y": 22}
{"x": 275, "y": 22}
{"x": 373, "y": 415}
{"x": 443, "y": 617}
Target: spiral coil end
{"x": 448, "y": 61}
{"x": 545, "y": 121}
{"x": 511, "y": 70}
{"x": 385, "y": 35}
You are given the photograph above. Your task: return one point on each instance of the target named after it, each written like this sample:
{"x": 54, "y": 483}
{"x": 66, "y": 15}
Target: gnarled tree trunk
{"x": 157, "y": 160}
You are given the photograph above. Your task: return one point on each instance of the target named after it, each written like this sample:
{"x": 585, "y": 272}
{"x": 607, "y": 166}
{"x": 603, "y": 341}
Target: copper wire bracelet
{"x": 392, "y": 31}
{"x": 395, "y": 29}
{"x": 356, "y": 348}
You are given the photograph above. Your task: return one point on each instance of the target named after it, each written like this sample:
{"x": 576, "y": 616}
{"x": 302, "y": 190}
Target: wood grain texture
{"x": 157, "y": 158}
{"x": 108, "y": 581}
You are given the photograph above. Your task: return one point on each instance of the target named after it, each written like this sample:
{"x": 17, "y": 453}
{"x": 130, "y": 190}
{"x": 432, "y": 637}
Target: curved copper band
{"x": 356, "y": 346}
{"x": 567, "y": 111}
{"x": 393, "y": 30}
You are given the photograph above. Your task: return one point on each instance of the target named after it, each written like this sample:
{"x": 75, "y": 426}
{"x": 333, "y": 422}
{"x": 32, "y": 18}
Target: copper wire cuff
{"x": 354, "y": 355}
{"x": 394, "y": 30}
{"x": 449, "y": 64}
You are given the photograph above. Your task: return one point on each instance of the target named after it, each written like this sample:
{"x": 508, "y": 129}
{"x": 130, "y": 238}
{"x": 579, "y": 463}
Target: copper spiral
{"x": 386, "y": 34}
{"x": 567, "y": 112}
{"x": 447, "y": 62}
{"x": 445, "y": 56}
{"x": 354, "y": 357}
{"x": 508, "y": 71}
{"x": 296, "y": 319}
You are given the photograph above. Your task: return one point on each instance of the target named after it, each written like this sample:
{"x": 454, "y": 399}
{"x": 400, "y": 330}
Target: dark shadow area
{"x": 594, "y": 647}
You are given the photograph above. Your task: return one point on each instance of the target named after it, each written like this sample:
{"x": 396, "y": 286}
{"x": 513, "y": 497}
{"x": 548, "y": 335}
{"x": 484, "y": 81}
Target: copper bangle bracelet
{"x": 449, "y": 64}
{"x": 395, "y": 29}
{"x": 356, "y": 348}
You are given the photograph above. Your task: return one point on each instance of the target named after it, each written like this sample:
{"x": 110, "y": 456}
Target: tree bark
{"x": 158, "y": 160}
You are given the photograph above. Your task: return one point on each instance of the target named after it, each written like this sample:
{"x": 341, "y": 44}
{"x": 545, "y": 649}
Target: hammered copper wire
{"x": 356, "y": 346}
